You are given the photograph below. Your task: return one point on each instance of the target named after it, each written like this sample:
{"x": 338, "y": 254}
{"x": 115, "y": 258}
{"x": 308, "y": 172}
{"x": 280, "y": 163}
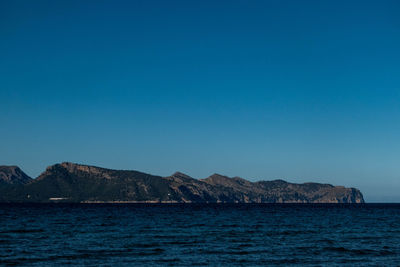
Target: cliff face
{"x": 80, "y": 183}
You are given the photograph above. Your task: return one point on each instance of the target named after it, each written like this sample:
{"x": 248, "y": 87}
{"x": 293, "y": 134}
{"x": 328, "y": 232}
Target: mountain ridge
{"x": 72, "y": 182}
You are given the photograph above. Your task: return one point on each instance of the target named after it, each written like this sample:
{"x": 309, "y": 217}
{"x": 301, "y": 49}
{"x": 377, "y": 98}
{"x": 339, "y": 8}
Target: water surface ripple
{"x": 199, "y": 234}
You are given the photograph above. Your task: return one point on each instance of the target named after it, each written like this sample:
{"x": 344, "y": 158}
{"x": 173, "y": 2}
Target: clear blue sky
{"x": 298, "y": 90}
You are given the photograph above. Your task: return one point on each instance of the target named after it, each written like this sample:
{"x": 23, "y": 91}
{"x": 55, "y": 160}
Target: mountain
{"x": 12, "y": 175}
{"x": 69, "y": 182}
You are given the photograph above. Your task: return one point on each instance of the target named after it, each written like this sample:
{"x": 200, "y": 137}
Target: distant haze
{"x": 297, "y": 90}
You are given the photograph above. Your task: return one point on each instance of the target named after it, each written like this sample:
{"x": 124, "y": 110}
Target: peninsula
{"x": 70, "y": 182}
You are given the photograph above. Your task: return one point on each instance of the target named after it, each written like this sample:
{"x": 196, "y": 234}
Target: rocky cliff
{"x": 81, "y": 183}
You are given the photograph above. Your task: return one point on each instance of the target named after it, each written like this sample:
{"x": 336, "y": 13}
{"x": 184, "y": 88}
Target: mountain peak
{"x": 218, "y": 179}
{"x": 181, "y": 175}
{"x": 13, "y": 175}
{"x": 75, "y": 168}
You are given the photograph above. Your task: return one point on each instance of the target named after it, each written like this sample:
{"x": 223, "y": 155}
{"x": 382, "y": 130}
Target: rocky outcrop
{"x": 13, "y": 175}
{"x": 81, "y": 183}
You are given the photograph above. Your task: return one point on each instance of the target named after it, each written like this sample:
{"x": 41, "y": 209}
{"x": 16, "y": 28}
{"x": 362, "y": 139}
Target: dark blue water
{"x": 212, "y": 234}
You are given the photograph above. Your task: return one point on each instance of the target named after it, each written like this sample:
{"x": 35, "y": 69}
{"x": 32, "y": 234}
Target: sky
{"x": 295, "y": 90}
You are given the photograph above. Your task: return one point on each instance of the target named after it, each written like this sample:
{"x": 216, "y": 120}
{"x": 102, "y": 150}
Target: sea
{"x": 200, "y": 234}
